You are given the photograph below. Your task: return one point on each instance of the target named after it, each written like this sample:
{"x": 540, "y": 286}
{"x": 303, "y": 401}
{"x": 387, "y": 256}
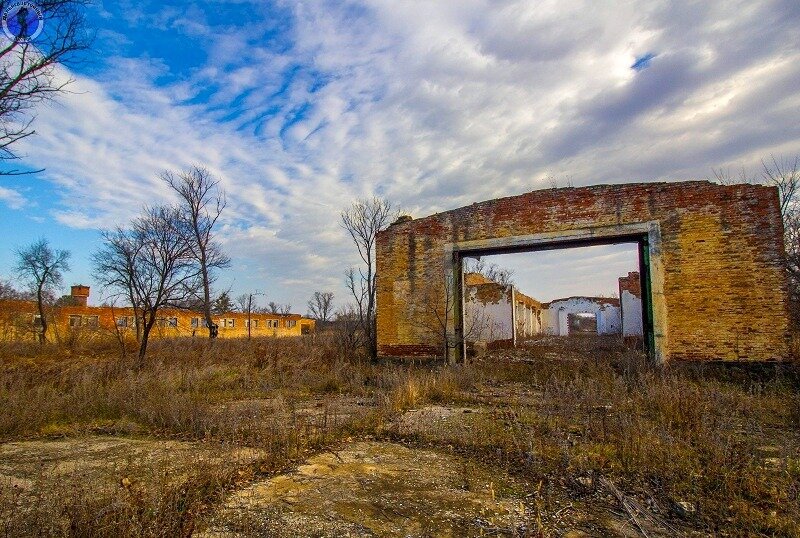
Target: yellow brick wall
{"x": 16, "y": 322}
{"x": 720, "y": 262}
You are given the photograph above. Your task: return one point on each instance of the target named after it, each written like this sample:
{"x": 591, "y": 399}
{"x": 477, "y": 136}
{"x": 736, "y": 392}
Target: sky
{"x": 301, "y": 107}
{"x": 547, "y": 275}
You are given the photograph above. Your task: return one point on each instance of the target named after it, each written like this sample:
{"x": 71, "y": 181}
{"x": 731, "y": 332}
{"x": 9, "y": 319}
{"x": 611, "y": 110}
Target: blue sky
{"x": 300, "y": 107}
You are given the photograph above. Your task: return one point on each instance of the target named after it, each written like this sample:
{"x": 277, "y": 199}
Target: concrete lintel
{"x": 553, "y": 239}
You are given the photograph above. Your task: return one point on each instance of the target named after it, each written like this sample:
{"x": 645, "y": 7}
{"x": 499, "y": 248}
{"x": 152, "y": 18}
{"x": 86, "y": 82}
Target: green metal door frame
{"x": 645, "y": 235}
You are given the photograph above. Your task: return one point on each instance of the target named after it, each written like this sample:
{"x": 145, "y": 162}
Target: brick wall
{"x": 721, "y": 258}
{"x": 631, "y": 283}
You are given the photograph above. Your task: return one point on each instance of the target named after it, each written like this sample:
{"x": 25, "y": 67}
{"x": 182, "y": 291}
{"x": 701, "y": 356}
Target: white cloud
{"x": 432, "y": 104}
{"x": 12, "y": 198}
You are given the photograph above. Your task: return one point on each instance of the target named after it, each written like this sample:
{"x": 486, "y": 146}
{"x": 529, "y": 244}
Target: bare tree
{"x": 363, "y": 220}
{"x": 29, "y": 62}
{"x": 247, "y": 306}
{"x": 491, "y": 271}
{"x": 164, "y": 272}
{"x": 724, "y": 176}
{"x": 784, "y": 174}
{"x": 10, "y": 293}
{"x": 320, "y": 306}
{"x": 42, "y": 268}
{"x": 285, "y": 309}
{"x": 201, "y": 204}
{"x": 347, "y": 334}
{"x": 114, "y": 268}
{"x": 442, "y": 310}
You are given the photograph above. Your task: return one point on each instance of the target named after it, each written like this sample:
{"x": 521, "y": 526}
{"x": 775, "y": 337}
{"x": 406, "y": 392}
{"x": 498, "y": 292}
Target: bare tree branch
{"x": 320, "y": 306}
{"x": 201, "y": 204}
{"x": 42, "y": 268}
{"x": 29, "y": 68}
{"x": 152, "y": 262}
{"x": 363, "y": 220}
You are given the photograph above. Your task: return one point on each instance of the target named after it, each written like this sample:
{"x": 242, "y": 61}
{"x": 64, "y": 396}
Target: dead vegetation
{"x": 705, "y": 450}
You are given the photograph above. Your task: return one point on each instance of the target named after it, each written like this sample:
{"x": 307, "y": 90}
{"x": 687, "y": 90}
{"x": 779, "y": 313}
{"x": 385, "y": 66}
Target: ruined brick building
{"x": 598, "y": 315}
{"x": 72, "y": 315}
{"x": 498, "y": 313}
{"x": 630, "y": 298}
{"x": 710, "y": 257}
{"x": 502, "y": 315}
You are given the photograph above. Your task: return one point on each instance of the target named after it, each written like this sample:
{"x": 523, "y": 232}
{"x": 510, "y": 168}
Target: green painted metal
{"x": 647, "y": 297}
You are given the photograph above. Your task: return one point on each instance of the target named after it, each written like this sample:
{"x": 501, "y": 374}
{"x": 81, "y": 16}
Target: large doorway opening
{"x": 560, "y": 289}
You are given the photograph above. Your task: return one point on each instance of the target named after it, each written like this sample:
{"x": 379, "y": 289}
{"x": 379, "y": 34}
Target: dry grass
{"x": 722, "y": 439}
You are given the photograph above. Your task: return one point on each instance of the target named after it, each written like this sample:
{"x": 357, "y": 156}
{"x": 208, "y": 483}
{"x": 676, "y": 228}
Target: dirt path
{"x": 376, "y": 489}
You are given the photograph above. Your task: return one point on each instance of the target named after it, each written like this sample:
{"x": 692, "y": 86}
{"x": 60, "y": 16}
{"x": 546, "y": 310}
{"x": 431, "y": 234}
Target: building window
{"x": 227, "y": 323}
{"x": 291, "y": 323}
{"x": 195, "y": 323}
{"x": 252, "y": 323}
{"x": 75, "y": 321}
{"x": 37, "y": 320}
{"x": 122, "y": 322}
{"x": 173, "y": 322}
{"x": 92, "y": 321}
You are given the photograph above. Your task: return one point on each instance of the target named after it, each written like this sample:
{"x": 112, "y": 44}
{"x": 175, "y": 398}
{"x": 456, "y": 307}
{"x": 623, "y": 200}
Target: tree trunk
{"x": 145, "y": 337}
{"x": 206, "y": 287}
{"x": 40, "y": 305}
{"x": 136, "y": 324}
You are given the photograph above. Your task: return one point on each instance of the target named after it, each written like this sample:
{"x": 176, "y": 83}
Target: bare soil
{"x": 28, "y": 467}
{"x": 377, "y": 489}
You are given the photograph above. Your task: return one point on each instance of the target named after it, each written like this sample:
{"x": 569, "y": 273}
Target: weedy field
{"x": 299, "y": 437}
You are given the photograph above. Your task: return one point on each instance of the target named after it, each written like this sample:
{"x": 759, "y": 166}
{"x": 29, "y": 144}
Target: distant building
{"x": 498, "y": 313}
{"x": 582, "y": 315}
{"x": 20, "y": 320}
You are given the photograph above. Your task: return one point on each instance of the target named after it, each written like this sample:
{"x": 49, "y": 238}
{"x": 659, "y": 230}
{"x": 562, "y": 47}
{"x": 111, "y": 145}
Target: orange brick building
{"x": 18, "y": 320}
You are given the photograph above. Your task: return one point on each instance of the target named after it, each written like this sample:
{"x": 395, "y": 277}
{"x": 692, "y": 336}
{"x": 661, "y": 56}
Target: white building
{"x": 600, "y": 315}
{"x": 498, "y": 313}
{"x": 501, "y": 315}
{"x": 630, "y": 296}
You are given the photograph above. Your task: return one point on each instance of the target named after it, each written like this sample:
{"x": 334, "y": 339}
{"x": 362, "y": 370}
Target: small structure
{"x": 582, "y": 315}
{"x": 79, "y": 295}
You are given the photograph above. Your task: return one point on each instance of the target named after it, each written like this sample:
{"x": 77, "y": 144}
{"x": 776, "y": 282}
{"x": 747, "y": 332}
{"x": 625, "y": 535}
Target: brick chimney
{"x": 631, "y": 283}
{"x": 80, "y": 294}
